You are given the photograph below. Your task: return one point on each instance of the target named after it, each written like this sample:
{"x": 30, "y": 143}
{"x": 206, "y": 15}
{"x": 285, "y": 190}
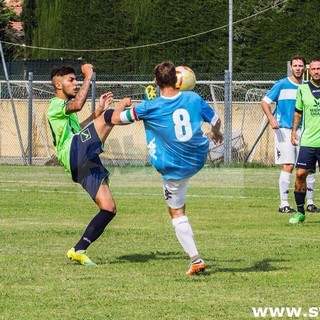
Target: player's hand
{"x": 274, "y": 124}
{"x": 294, "y": 138}
{"x": 87, "y": 70}
{"x": 124, "y": 103}
{"x": 105, "y": 101}
{"x": 216, "y": 137}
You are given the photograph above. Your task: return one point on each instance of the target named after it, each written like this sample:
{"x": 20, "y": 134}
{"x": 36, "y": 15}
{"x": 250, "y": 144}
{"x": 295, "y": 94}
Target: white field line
{"x": 49, "y": 184}
{"x": 132, "y": 194}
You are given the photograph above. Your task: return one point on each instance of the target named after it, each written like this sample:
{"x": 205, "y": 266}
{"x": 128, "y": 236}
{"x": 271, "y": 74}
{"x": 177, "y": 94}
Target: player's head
{"x": 298, "y": 58}
{"x": 165, "y": 74}
{"x": 298, "y": 66}
{"x": 64, "y": 81}
{"x": 314, "y": 69}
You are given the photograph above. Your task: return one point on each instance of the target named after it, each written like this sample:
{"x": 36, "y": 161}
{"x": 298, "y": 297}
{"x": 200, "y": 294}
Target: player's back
{"x": 176, "y": 144}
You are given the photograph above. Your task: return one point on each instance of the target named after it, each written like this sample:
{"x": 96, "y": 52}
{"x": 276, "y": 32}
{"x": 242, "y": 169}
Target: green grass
{"x": 255, "y": 258}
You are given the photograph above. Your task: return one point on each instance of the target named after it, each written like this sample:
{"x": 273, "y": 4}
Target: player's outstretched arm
{"x": 105, "y": 101}
{"x": 120, "y": 108}
{"x": 78, "y": 102}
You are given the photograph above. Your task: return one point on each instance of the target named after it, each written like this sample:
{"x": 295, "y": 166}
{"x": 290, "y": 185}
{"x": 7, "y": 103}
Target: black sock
{"x": 108, "y": 115}
{"x": 300, "y": 197}
{"x": 94, "y": 229}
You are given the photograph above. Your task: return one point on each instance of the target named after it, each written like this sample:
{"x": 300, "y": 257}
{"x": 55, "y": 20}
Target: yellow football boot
{"x": 81, "y": 258}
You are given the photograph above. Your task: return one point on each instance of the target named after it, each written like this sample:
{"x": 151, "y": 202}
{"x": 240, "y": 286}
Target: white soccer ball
{"x": 186, "y": 79}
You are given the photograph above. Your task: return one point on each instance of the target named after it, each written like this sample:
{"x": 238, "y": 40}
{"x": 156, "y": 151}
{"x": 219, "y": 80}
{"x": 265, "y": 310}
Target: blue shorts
{"x": 307, "y": 158}
{"x": 85, "y": 163}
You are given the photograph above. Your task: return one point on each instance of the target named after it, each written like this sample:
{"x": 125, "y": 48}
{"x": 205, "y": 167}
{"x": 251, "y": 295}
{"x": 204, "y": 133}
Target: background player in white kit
{"x": 284, "y": 93}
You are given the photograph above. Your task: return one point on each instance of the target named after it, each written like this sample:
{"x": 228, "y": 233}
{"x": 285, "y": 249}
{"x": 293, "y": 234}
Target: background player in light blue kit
{"x": 176, "y": 145}
{"x": 284, "y": 93}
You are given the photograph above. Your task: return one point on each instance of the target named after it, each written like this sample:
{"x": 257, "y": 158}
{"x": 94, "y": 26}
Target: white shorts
{"x": 284, "y": 151}
{"x": 174, "y": 192}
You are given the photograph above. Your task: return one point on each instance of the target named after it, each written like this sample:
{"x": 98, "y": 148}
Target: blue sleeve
{"x": 207, "y": 111}
{"x": 141, "y": 110}
{"x": 274, "y": 92}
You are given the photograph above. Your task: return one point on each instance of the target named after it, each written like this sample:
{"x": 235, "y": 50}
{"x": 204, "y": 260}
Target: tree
{"x": 266, "y": 33}
{"x": 7, "y": 33}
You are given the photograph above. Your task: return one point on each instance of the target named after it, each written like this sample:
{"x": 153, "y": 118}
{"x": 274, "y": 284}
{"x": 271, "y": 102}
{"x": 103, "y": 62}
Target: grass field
{"x": 255, "y": 257}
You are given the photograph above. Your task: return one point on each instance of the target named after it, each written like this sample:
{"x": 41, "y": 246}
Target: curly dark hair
{"x": 61, "y": 71}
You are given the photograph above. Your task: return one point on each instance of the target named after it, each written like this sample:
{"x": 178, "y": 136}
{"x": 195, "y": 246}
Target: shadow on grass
{"x": 264, "y": 265}
{"x": 259, "y": 266}
{"x": 138, "y": 257}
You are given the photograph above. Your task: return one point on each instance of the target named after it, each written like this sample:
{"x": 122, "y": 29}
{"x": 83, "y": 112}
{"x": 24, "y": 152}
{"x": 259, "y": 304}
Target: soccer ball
{"x": 186, "y": 79}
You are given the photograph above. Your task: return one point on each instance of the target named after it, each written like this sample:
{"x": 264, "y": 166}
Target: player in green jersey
{"x": 308, "y": 109}
{"x": 78, "y": 146}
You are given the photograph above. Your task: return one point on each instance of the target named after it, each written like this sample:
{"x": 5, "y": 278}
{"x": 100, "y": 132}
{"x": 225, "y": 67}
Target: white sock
{"x": 284, "y": 184}
{"x": 185, "y": 235}
{"x": 310, "y": 188}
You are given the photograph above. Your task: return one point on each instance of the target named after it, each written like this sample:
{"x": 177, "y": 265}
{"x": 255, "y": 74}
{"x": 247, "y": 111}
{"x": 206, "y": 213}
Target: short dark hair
{"x": 61, "y": 71}
{"x": 298, "y": 58}
{"x": 165, "y": 74}
{"x": 315, "y": 59}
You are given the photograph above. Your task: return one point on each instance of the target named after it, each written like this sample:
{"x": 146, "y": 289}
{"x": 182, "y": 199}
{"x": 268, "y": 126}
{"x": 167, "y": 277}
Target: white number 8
{"x": 182, "y": 125}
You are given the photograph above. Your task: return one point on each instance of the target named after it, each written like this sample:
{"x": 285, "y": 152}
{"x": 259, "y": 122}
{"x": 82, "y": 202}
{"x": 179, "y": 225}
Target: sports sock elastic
{"x": 185, "y": 235}
{"x": 284, "y": 184}
{"x": 108, "y": 115}
{"x": 300, "y": 197}
{"x": 94, "y": 229}
{"x": 195, "y": 259}
{"x": 310, "y": 188}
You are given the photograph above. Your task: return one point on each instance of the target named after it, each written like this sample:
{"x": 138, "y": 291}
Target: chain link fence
{"x": 25, "y": 136}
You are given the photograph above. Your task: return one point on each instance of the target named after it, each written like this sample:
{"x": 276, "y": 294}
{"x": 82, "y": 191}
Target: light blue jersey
{"x": 176, "y": 145}
{"x": 284, "y": 93}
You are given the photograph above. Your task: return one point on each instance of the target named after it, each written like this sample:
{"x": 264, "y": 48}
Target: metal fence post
{"x": 30, "y": 112}
{"x": 15, "y": 116}
{"x": 227, "y": 117}
{"x": 93, "y": 92}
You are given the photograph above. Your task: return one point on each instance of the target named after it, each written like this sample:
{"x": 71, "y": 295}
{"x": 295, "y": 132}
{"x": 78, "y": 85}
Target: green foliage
{"x": 6, "y": 31}
{"x": 264, "y": 42}
{"x": 255, "y": 258}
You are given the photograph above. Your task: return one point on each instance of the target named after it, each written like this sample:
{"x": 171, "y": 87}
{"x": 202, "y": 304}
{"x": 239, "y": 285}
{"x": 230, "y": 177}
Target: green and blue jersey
{"x": 308, "y": 102}
{"x": 63, "y": 127}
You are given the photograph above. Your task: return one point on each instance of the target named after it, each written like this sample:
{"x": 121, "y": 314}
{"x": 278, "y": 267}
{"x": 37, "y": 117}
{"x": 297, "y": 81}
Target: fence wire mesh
{"x": 252, "y": 140}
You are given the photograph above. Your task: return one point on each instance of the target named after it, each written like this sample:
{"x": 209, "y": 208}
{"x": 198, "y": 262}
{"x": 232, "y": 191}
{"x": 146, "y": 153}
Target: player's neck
{"x": 60, "y": 94}
{"x": 295, "y": 79}
{"x": 169, "y": 92}
{"x": 315, "y": 82}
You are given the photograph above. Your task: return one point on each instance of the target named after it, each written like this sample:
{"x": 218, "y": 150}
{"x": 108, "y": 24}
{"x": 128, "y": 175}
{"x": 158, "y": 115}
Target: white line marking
{"x": 132, "y": 194}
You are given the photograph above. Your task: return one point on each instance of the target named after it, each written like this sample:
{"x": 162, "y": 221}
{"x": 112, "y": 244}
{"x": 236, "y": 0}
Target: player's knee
{"x": 110, "y": 206}
{"x": 107, "y": 204}
{"x": 301, "y": 176}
